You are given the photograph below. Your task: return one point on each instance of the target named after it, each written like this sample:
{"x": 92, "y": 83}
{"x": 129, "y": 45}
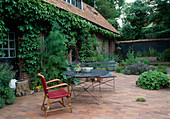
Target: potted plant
{"x": 77, "y": 67}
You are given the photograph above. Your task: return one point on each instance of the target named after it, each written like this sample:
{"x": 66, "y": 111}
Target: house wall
{"x": 109, "y": 44}
{"x": 100, "y": 40}
{"x": 109, "y": 48}
{"x": 106, "y": 46}
{"x": 112, "y": 46}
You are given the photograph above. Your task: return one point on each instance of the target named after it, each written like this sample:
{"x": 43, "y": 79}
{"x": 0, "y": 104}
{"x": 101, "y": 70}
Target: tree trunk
{"x": 22, "y": 88}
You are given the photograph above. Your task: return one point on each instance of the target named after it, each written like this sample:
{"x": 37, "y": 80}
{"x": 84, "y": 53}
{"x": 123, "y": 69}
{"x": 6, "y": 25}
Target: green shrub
{"x": 137, "y": 68}
{"x": 166, "y": 54}
{"x": 129, "y": 62}
{"x": 141, "y": 100}
{"x": 2, "y": 103}
{"x": 113, "y": 68}
{"x": 120, "y": 69}
{"x": 145, "y": 53}
{"x": 130, "y": 58}
{"x": 152, "y": 52}
{"x": 153, "y": 80}
{"x": 159, "y": 56}
{"x": 139, "y": 54}
{"x": 6, "y": 74}
{"x": 112, "y": 57}
{"x": 143, "y": 61}
{"x": 10, "y": 98}
{"x": 162, "y": 69}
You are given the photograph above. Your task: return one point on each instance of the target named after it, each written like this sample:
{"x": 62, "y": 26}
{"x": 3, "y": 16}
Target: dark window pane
{"x": 1, "y": 51}
{"x": 68, "y": 1}
{"x": 11, "y": 36}
{"x": 5, "y": 45}
{"x": 12, "y": 44}
{"x": 78, "y": 3}
{"x": 73, "y": 2}
{"x": 6, "y": 53}
{"x": 12, "y": 53}
{"x": 6, "y": 37}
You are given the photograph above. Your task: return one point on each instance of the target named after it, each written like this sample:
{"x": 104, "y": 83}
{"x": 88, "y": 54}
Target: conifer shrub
{"x": 54, "y": 58}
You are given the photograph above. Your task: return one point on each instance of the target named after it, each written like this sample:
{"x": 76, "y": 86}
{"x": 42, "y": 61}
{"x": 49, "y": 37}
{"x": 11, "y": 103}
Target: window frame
{"x": 9, "y": 48}
{"x": 70, "y": 2}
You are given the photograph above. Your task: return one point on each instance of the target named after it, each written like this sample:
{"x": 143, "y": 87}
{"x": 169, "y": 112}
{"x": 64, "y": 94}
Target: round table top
{"x": 93, "y": 73}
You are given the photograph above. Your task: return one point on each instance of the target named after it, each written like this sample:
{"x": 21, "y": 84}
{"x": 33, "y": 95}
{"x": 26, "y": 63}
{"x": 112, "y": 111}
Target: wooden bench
{"x": 100, "y": 79}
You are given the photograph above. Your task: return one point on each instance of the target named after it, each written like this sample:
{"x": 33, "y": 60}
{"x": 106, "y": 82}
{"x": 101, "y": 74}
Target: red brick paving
{"x": 118, "y": 104}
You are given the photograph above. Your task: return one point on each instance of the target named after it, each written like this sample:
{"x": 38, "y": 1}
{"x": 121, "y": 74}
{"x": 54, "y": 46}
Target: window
{"x": 73, "y": 2}
{"x": 94, "y": 12}
{"x": 9, "y": 48}
{"x": 76, "y": 3}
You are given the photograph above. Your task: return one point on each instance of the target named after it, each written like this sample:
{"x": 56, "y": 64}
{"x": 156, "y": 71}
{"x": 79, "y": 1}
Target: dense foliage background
{"x": 146, "y": 19}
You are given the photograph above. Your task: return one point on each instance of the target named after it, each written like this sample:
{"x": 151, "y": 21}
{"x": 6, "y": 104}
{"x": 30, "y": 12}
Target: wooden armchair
{"x": 54, "y": 94}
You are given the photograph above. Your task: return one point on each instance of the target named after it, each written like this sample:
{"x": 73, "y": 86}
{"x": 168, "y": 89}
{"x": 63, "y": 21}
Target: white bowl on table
{"x": 87, "y": 69}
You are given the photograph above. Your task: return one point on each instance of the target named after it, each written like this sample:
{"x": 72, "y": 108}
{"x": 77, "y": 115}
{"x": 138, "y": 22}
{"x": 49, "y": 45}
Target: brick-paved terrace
{"x": 120, "y": 104}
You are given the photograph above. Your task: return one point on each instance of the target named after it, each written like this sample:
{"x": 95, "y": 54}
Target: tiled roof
{"x": 86, "y": 13}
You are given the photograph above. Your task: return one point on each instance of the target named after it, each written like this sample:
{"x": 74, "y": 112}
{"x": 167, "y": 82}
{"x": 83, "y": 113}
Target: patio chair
{"x": 54, "y": 94}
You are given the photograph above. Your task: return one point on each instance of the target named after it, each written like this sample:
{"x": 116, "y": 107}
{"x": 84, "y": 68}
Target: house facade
{"x": 77, "y": 7}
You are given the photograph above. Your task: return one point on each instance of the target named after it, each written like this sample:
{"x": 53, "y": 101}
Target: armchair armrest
{"x": 60, "y": 85}
{"x": 54, "y": 81}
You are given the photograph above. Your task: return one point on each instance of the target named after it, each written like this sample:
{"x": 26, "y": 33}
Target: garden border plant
{"x": 153, "y": 80}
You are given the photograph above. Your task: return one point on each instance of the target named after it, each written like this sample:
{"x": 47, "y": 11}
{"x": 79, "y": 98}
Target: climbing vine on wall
{"x": 87, "y": 51}
{"x": 32, "y": 17}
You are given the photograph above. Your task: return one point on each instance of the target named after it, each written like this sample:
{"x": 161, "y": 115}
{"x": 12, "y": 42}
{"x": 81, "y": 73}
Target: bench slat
{"x": 95, "y": 63}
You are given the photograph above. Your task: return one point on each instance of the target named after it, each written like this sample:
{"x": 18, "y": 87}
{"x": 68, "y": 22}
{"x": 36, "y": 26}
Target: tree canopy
{"x": 161, "y": 13}
{"x": 109, "y": 9}
{"x": 141, "y": 13}
{"x": 135, "y": 18}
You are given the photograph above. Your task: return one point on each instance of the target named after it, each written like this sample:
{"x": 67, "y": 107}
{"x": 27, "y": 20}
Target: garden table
{"x": 92, "y": 74}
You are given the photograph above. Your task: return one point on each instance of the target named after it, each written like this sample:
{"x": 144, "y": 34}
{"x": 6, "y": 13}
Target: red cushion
{"x": 57, "y": 94}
